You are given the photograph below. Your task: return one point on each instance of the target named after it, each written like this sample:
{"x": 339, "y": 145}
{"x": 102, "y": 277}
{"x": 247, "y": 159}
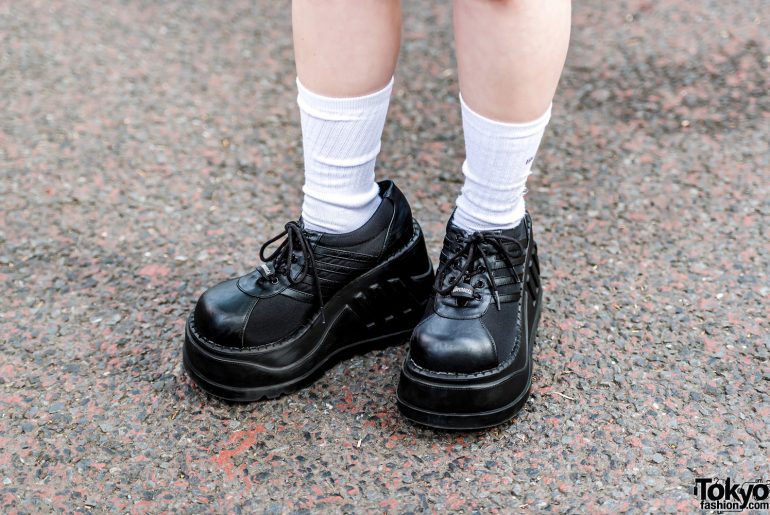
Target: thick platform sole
{"x": 377, "y": 310}
{"x": 501, "y": 394}
{"x": 462, "y": 421}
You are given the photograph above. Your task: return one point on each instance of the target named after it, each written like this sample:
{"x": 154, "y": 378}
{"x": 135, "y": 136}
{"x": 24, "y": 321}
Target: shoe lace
{"x": 280, "y": 260}
{"x": 471, "y": 249}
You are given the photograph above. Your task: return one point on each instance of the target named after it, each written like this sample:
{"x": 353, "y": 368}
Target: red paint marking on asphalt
{"x": 225, "y": 457}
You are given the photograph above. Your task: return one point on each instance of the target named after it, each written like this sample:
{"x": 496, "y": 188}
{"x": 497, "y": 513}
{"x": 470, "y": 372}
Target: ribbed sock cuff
{"x": 504, "y": 129}
{"x": 342, "y": 108}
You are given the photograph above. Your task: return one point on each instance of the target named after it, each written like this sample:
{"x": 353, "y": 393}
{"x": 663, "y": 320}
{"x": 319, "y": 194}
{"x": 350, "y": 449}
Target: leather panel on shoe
{"x": 221, "y": 312}
{"x": 449, "y": 345}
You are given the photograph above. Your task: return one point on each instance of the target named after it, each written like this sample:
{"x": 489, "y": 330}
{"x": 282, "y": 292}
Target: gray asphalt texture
{"x": 148, "y": 148}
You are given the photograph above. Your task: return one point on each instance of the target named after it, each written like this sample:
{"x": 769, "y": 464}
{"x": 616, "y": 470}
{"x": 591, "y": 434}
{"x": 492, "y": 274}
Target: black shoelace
{"x": 283, "y": 257}
{"x": 470, "y": 249}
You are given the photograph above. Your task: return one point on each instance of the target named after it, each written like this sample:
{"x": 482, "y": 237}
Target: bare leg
{"x": 346, "y": 48}
{"x": 346, "y": 52}
{"x": 510, "y": 54}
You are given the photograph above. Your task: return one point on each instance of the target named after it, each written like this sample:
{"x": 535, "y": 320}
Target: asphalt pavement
{"x": 147, "y": 149}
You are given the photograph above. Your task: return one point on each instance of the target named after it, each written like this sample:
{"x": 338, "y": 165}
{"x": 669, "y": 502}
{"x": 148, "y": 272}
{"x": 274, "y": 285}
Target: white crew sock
{"x": 341, "y": 140}
{"x": 498, "y": 161}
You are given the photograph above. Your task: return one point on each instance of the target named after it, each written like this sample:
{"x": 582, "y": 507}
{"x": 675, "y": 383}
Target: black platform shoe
{"x": 316, "y": 299}
{"x": 470, "y": 360}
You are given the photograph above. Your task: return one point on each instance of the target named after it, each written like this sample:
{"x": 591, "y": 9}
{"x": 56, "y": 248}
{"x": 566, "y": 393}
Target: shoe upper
{"x": 307, "y": 268}
{"x": 475, "y": 320}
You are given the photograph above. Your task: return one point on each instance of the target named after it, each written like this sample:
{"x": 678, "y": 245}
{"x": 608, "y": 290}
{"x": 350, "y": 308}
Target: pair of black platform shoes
{"x": 318, "y": 298}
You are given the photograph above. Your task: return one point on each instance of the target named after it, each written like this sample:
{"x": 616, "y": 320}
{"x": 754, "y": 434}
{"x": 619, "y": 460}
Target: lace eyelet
{"x": 273, "y": 280}
{"x": 477, "y": 296}
{"x": 479, "y": 284}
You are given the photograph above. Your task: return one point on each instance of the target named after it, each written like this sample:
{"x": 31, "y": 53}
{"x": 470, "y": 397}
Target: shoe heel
{"x": 394, "y": 300}
{"x": 535, "y": 293}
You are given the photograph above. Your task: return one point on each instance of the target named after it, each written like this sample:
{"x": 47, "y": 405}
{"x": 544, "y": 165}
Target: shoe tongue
{"x": 461, "y": 236}
{"x": 519, "y": 232}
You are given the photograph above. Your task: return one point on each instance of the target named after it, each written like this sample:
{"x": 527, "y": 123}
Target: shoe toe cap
{"x": 458, "y": 346}
{"x": 221, "y": 312}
